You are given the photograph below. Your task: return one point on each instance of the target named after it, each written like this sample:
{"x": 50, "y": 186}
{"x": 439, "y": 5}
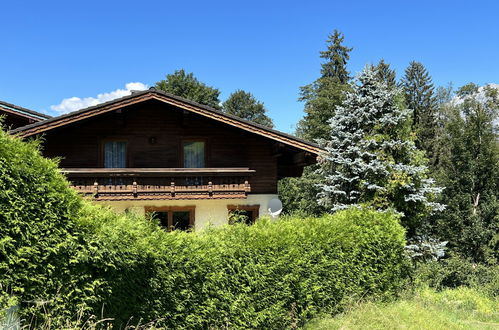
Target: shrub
{"x": 64, "y": 258}
{"x": 271, "y": 274}
{"x": 38, "y": 234}
{"x": 457, "y": 271}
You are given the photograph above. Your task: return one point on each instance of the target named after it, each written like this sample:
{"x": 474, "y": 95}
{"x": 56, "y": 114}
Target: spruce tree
{"x": 244, "y": 105}
{"x": 321, "y": 98}
{"x": 420, "y": 98}
{"x": 386, "y": 74}
{"x": 323, "y": 95}
{"x": 370, "y": 157}
{"x": 337, "y": 56}
{"x": 186, "y": 85}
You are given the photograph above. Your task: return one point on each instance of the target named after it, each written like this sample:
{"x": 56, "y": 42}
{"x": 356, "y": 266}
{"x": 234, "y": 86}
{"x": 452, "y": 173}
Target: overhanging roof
{"x": 154, "y": 94}
{"x": 23, "y": 112}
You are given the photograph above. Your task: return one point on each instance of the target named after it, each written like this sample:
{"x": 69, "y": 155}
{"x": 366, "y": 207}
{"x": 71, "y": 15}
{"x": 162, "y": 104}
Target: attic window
{"x": 115, "y": 154}
{"x": 194, "y": 154}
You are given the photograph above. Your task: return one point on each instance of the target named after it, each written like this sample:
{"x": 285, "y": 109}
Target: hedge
{"x": 269, "y": 275}
{"x": 38, "y": 231}
{"x": 64, "y": 256}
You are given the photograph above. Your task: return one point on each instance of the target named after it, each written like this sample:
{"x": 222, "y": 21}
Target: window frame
{"x": 193, "y": 139}
{"x": 255, "y": 209}
{"x": 102, "y": 153}
{"x": 170, "y": 209}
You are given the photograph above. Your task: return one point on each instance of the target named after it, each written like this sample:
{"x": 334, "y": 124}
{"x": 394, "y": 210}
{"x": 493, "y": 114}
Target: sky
{"x": 58, "y": 55}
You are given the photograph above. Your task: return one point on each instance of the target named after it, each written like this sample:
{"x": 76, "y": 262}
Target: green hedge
{"x": 38, "y": 234}
{"x": 62, "y": 256}
{"x": 269, "y": 275}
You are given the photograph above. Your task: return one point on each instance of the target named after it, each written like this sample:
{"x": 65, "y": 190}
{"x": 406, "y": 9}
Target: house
{"x": 15, "y": 116}
{"x": 155, "y": 152}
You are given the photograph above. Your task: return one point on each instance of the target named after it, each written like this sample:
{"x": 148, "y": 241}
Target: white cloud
{"x": 75, "y": 103}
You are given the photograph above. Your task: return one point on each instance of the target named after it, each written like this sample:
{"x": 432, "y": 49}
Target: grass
{"x": 461, "y": 308}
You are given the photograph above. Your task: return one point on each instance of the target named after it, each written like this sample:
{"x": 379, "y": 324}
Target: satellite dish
{"x": 275, "y": 207}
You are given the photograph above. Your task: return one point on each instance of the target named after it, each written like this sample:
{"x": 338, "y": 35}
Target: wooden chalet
{"x": 155, "y": 152}
{"x": 15, "y": 116}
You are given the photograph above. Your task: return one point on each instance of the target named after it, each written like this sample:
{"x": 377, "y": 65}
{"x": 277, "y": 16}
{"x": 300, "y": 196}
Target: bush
{"x": 64, "y": 258}
{"x": 457, "y": 271}
{"x": 271, "y": 274}
{"x": 38, "y": 234}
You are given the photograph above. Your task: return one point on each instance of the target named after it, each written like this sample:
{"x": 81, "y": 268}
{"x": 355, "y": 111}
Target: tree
{"x": 419, "y": 97}
{"x": 187, "y": 86}
{"x": 439, "y": 146}
{"x": 337, "y": 56}
{"x": 370, "y": 157}
{"x": 244, "y": 105}
{"x": 323, "y": 95}
{"x": 469, "y": 169}
{"x": 386, "y": 74}
{"x": 321, "y": 99}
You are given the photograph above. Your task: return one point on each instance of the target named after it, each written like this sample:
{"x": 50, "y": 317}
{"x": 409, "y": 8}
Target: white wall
{"x": 208, "y": 211}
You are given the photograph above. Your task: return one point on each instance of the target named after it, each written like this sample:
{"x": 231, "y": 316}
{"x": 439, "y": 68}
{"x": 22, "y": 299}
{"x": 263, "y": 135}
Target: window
{"x": 194, "y": 154}
{"x": 115, "y": 154}
{"x": 172, "y": 217}
{"x": 243, "y": 213}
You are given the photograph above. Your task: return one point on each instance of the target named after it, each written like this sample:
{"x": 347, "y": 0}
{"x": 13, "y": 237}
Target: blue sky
{"x": 53, "y": 50}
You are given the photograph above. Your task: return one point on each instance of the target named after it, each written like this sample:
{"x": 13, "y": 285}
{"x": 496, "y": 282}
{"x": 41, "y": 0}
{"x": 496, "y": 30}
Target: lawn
{"x": 460, "y": 308}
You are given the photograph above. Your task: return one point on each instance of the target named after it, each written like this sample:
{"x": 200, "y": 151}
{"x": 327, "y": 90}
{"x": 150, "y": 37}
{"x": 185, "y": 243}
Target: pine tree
{"x": 386, "y": 74}
{"x": 371, "y": 158}
{"x": 321, "y": 98}
{"x": 244, "y": 105}
{"x": 323, "y": 95}
{"x": 419, "y": 96}
{"x": 189, "y": 87}
{"x": 336, "y": 57}
{"x": 469, "y": 169}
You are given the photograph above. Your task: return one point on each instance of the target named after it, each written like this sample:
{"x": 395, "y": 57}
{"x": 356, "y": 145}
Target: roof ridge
{"x": 153, "y": 90}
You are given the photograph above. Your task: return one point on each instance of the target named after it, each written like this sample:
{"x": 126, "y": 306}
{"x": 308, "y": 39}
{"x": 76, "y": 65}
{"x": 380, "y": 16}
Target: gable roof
{"x": 154, "y": 94}
{"x": 23, "y": 112}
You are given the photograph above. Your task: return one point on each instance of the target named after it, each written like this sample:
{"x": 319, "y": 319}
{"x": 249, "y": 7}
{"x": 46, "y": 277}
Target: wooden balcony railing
{"x": 160, "y": 183}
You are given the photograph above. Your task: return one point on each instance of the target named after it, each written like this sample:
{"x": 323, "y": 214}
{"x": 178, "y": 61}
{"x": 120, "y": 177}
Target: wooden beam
{"x": 160, "y": 172}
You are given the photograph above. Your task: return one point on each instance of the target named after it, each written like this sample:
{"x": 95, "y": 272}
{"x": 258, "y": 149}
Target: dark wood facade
{"x": 15, "y": 116}
{"x": 237, "y": 161}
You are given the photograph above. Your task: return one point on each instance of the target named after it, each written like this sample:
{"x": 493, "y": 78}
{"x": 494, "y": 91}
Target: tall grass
{"x": 460, "y": 308}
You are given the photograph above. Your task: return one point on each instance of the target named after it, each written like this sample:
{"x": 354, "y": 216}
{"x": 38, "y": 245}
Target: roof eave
{"x": 137, "y": 97}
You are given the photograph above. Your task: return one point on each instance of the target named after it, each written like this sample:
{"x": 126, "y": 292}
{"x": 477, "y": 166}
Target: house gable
{"x": 153, "y": 94}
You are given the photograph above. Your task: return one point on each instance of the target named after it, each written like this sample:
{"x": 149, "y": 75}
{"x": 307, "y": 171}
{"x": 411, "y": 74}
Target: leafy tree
{"x": 439, "y": 145}
{"x": 469, "y": 169}
{"x": 371, "y": 158}
{"x": 321, "y": 99}
{"x": 420, "y": 98}
{"x": 299, "y": 195}
{"x": 187, "y": 86}
{"x": 244, "y": 105}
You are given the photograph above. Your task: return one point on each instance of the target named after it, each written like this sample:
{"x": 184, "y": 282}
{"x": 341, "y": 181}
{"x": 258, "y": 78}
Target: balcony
{"x": 115, "y": 184}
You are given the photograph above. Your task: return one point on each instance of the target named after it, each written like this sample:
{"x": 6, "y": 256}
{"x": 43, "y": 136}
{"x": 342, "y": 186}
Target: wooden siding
{"x": 80, "y": 144}
{"x": 12, "y": 120}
